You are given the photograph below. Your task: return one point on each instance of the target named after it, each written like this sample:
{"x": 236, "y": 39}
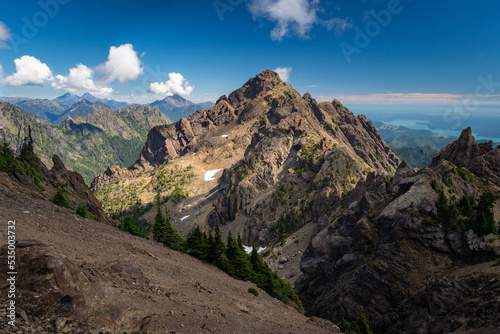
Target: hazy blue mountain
{"x": 67, "y": 99}
{"x": 13, "y": 100}
{"x": 45, "y": 109}
{"x": 177, "y": 107}
{"x": 81, "y": 108}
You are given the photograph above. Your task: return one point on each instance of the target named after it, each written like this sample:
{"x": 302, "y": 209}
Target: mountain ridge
{"x": 86, "y": 143}
{"x": 264, "y": 138}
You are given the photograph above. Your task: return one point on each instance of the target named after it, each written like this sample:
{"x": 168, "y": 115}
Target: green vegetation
{"x": 129, "y": 226}
{"x": 85, "y": 144}
{"x": 477, "y": 216}
{"x": 135, "y": 213}
{"x": 164, "y": 231}
{"x": 358, "y": 326}
{"x": 61, "y": 200}
{"x": 27, "y": 164}
{"x": 415, "y": 157}
{"x": 232, "y": 258}
{"x": 253, "y": 291}
{"x": 83, "y": 211}
{"x": 8, "y": 162}
{"x": 378, "y": 157}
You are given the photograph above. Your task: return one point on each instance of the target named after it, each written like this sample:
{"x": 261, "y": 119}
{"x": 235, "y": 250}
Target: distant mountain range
{"x": 177, "y": 107}
{"x": 86, "y": 143}
{"x": 58, "y": 109}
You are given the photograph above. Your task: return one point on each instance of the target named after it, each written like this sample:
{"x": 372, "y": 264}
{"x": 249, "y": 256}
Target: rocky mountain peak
{"x": 260, "y": 84}
{"x": 462, "y": 151}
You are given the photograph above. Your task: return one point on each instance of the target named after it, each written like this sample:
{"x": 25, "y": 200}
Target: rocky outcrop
{"x": 35, "y": 180}
{"x": 464, "y": 150}
{"x": 385, "y": 253}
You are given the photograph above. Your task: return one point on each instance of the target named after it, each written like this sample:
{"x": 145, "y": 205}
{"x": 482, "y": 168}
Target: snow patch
{"x": 248, "y": 249}
{"x": 209, "y": 176}
{"x": 224, "y": 136}
{"x": 184, "y": 218}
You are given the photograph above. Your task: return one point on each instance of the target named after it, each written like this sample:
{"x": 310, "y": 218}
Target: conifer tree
{"x": 172, "y": 238}
{"x": 218, "y": 247}
{"x": 159, "y": 226}
{"x": 197, "y": 244}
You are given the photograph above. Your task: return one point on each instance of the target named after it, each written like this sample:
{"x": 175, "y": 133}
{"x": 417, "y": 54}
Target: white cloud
{"x": 29, "y": 72}
{"x": 122, "y": 65}
{"x": 284, "y": 73}
{"x": 4, "y": 36}
{"x": 176, "y": 84}
{"x": 294, "y": 16}
{"x": 414, "y": 98}
{"x": 80, "y": 77}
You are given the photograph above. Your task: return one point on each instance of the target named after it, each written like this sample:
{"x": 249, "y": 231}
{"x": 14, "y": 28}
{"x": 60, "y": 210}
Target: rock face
{"x": 286, "y": 160}
{"x": 410, "y": 275}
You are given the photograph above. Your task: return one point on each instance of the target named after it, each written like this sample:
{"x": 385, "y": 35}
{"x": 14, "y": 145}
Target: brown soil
{"x": 176, "y": 294}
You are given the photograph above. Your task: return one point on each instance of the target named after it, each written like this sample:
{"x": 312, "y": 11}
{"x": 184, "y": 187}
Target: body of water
{"x": 416, "y": 124}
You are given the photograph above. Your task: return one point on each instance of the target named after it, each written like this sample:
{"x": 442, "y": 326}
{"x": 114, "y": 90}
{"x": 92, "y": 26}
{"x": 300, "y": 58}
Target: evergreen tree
{"x": 197, "y": 244}
{"x": 218, "y": 247}
{"x": 239, "y": 258}
{"x": 129, "y": 226}
{"x": 171, "y": 237}
{"x": 364, "y": 326}
{"x": 466, "y": 208}
{"x": 442, "y": 207}
{"x": 483, "y": 222}
{"x": 159, "y": 226}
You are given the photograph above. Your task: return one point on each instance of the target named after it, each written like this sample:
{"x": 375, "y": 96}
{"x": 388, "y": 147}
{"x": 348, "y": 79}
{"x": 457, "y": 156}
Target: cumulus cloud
{"x": 122, "y": 65}
{"x": 4, "y": 36}
{"x": 294, "y": 17}
{"x": 29, "y": 72}
{"x": 176, "y": 84}
{"x": 80, "y": 78}
{"x": 283, "y": 72}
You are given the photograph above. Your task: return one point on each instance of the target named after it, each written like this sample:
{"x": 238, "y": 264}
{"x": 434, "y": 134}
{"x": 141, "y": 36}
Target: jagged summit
{"x": 464, "y": 150}
{"x": 481, "y": 159}
{"x": 261, "y": 141}
{"x": 259, "y": 85}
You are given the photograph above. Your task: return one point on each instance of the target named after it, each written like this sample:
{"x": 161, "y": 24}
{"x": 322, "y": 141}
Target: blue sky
{"x": 421, "y": 55}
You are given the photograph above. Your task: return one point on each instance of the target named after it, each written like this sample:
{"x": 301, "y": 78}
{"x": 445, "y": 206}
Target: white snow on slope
{"x": 248, "y": 249}
{"x": 185, "y": 217}
{"x": 209, "y": 176}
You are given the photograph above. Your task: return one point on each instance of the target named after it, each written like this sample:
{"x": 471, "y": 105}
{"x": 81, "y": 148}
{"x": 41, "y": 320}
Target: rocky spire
{"x": 462, "y": 151}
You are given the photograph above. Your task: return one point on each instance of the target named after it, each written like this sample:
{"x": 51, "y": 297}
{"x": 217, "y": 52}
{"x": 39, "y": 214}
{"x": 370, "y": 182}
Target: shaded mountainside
{"x": 76, "y": 275}
{"x": 418, "y": 250}
{"x": 415, "y": 157}
{"x": 86, "y": 144}
{"x": 281, "y": 161}
{"x": 80, "y": 108}
{"x": 45, "y": 109}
